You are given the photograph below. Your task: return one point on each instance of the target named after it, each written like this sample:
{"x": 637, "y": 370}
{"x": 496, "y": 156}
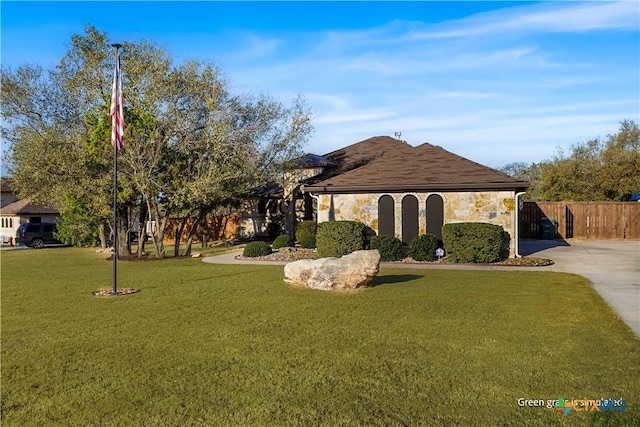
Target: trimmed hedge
{"x": 306, "y": 234}
{"x": 256, "y": 249}
{"x": 282, "y": 241}
{"x": 390, "y": 247}
{"x": 423, "y": 247}
{"x": 473, "y": 241}
{"x": 338, "y": 238}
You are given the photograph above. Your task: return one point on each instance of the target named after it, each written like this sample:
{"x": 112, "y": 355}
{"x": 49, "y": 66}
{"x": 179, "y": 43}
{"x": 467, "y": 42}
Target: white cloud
{"x": 256, "y": 47}
{"x": 549, "y": 17}
{"x": 467, "y": 95}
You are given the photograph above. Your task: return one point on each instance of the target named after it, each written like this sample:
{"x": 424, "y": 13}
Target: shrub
{"x": 473, "y": 241}
{"x": 282, "y": 241}
{"x": 390, "y": 247}
{"x": 306, "y": 234}
{"x": 423, "y": 247}
{"x": 338, "y": 238}
{"x": 308, "y": 241}
{"x": 256, "y": 249}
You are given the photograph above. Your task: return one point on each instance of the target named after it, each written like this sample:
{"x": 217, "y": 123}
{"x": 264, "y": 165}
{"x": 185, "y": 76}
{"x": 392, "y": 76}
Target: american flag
{"x": 116, "y": 113}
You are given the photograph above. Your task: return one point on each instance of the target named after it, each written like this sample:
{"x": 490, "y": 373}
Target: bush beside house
{"x": 473, "y": 242}
{"x": 306, "y": 234}
{"x": 423, "y": 247}
{"x": 282, "y": 241}
{"x": 338, "y": 238}
{"x": 256, "y": 249}
{"x": 390, "y": 247}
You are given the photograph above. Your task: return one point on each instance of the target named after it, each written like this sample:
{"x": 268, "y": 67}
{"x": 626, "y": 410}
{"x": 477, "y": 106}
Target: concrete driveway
{"x": 612, "y": 266}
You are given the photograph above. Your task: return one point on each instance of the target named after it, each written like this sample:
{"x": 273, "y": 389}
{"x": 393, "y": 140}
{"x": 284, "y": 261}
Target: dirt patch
{"x": 106, "y": 293}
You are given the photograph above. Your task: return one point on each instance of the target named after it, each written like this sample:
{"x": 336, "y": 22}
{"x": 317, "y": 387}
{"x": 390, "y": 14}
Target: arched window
{"x": 386, "y": 216}
{"x": 409, "y": 219}
{"x": 435, "y": 215}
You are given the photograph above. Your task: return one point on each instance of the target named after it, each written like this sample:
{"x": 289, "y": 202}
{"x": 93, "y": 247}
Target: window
{"x": 386, "y": 216}
{"x": 409, "y": 219}
{"x": 435, "y": 215}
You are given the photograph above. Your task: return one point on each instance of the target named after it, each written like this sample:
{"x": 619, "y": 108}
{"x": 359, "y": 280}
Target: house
{"x": 15, "y": 211}
{"x": 268, "y": 211}
{"x": 400, "y": 190}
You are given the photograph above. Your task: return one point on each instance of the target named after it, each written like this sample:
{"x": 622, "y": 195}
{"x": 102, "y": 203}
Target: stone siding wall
{"x": 494, "y": 207}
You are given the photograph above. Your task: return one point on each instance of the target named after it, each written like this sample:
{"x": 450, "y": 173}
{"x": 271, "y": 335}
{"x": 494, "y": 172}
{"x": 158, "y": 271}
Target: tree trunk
{"x": 194, "y": 228}
{"x": 123, "y": 232}
{"x": 142, "y": 232}
{"x": 102, "y": 233}
{"x": 178, "y": 235}
{"x": 157, "y": 232}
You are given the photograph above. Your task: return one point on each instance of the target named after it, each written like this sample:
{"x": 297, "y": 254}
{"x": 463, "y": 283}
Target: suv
{"x": 36, "y": 234}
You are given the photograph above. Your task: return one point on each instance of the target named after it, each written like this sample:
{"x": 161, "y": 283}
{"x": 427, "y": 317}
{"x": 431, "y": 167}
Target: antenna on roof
{"x": 398, "y": 134}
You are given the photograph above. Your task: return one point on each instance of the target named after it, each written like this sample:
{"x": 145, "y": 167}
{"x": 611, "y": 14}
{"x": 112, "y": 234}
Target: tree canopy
{"x": 191, "y": 145}
{"x": 595, "y": 170}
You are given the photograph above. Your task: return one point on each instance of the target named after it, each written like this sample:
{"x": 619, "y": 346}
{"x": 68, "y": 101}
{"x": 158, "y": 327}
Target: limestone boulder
{"x": 351, "y": 271}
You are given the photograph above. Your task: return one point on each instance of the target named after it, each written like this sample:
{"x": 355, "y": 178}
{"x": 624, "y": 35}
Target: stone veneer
{"x": 494, "y": 207}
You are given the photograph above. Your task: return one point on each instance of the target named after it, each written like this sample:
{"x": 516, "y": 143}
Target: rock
{"x": 348, "y": 272}
{"x": 196, "y": 255}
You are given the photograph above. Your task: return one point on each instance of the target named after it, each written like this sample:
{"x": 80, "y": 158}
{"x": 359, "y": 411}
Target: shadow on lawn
{"x": 389, "y": 279}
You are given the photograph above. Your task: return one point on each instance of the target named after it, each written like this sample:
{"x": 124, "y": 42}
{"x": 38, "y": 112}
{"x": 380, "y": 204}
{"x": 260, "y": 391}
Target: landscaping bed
{"x": 295, "y": 254}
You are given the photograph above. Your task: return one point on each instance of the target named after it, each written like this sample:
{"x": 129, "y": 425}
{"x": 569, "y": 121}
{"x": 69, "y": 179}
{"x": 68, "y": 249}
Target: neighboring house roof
{"x": 385, "y": 164}
{"x": 6, "y": 185}
{"x": 313, "y": 161}
{"x": 268, "y": 191}
{"x": 24, "y": 207}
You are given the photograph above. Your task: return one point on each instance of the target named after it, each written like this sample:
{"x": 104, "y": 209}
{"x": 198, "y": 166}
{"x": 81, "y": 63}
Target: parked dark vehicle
{"x": 36, "y": 234}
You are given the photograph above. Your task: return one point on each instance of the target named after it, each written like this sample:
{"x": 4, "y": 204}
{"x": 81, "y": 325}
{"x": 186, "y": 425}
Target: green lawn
{"x": 204, "y": 344}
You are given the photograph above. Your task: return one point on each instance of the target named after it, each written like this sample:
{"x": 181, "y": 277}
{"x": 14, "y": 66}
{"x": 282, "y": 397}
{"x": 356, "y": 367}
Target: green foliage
{"x": 306, "y": 234}
{"x": 526, "y": 172}
{"x": 473, "y": 242}
{"x": 308, "y": 241}
{"x": 596, "y": 170}
{"x": 423, "y": 247}
{"x": 77, "y": 225}
{"x": 191, "y": 145}
{"x": 256, "y": 249}
{"x": 282, "y": 241}
{"x": 390, "y": 247}
{"x": 338, "y": 238}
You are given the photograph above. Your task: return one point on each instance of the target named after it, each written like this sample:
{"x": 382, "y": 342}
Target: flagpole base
{"x": 106, "y": 293}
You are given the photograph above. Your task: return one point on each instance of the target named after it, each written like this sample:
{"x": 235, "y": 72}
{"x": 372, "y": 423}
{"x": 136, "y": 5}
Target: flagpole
{"x": 115, "y": 172}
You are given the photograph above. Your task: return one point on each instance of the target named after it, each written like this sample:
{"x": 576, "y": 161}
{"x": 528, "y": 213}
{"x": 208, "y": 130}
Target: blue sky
{"x": 496, "y": 82}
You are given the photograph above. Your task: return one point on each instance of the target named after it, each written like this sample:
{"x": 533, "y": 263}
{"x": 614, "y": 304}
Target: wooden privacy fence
{"x": 582, "y": 220}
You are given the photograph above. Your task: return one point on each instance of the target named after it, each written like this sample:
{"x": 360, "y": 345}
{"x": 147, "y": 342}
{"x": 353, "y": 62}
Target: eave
{"x": 404, "y": 188}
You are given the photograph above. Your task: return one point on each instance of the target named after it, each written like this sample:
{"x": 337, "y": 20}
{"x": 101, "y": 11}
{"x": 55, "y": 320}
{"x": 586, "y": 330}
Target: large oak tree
{"x": 191, "y": 146}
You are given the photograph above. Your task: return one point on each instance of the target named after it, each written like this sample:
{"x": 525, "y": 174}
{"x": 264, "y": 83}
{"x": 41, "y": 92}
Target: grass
{"x": 205, "y": 344}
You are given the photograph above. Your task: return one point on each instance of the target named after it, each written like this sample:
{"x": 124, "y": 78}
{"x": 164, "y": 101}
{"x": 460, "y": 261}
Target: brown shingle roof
{"x": 386, "y": 164}
{"x": 24, "y": 207}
